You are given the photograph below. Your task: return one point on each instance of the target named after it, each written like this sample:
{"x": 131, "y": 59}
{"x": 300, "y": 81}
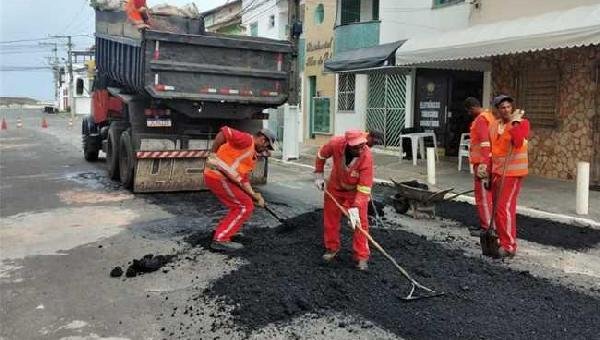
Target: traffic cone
{"x": 19, "y": 123}
{"x": 4, "y": 126}
{"x": 44, "y": 123}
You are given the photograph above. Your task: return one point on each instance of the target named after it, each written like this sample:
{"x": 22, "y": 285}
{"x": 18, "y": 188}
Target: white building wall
{"x": 357, "y": 119}
{"x": 262, "y": 13}
{"x": 405, "y": 19}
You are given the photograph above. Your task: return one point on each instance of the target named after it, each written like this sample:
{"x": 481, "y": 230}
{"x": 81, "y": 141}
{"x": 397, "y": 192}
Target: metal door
{"x": 386, "y": 105}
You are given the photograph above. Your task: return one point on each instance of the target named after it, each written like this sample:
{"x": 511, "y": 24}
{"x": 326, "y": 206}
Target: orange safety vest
{"x": 231, "y": 162}
{"x": 475, "y": 155}
{"x": 501, "y": 145}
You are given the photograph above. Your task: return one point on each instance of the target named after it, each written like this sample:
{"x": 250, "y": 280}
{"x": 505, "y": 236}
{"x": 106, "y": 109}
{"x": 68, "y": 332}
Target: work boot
{"x": 503, "y": 253}
{"x": 329, "y": 255}
{"x": 362, "y": 265}
{"x": 227, "y": 246}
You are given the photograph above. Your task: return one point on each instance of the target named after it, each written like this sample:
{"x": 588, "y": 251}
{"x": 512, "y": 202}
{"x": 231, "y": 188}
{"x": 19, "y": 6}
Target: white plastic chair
{"x": 463, "y": 150}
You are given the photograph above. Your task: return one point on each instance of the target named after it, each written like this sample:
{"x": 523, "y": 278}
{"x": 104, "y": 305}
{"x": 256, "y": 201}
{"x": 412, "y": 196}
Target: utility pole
{"x": 294, "y": 33}
{"x": 56, "y": 70}
{"x": 69, "y": 69}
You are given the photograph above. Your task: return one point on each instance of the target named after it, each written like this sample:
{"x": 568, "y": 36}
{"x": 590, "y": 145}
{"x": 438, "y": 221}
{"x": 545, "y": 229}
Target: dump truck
{"x": 161, "y": 94}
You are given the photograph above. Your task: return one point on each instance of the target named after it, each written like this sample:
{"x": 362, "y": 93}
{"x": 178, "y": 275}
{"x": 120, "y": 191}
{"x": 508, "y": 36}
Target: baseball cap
{"x": 355, "y": 137}
{"x": 271, "y": 136}
{"x": 499, "y": 99}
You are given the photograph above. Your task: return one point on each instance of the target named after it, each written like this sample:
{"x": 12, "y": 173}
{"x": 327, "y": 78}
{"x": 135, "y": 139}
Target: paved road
{"x": 65, "y": 226}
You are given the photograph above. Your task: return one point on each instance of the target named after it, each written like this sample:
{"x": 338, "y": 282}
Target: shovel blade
{"x": 489, "y": 243}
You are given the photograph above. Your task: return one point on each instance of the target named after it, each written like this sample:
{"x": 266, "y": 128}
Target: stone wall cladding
{"x": 554, "y": 152}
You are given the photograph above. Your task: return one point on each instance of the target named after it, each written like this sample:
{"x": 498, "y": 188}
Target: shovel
{"x": 414, "y": 284}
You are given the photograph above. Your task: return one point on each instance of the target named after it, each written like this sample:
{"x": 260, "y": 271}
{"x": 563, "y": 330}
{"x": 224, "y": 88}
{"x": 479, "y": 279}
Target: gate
{"x": 386, "y": 106}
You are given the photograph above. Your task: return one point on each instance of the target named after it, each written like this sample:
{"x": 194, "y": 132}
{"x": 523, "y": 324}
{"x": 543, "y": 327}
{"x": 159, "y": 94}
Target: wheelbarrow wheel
{"x": 401, "y": 205}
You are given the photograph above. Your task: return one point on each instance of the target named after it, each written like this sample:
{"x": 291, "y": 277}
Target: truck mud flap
{"x": 180, "y": 170}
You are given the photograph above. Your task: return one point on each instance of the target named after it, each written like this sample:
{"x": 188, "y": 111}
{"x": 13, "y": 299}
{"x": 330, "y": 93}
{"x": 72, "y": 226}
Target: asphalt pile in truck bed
{"x": 285, "y": 278}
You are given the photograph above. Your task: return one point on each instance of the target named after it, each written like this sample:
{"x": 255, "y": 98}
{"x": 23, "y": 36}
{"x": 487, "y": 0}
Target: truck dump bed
{"x": 175, "y": 60}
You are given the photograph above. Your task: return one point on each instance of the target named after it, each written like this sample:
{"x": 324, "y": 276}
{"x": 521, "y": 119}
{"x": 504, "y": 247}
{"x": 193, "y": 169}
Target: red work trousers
{"x": 331, "y": 223}
{"x": 505, "y": 218}
{"x": 239, "y": 203}
{"x": 483, "y": 201}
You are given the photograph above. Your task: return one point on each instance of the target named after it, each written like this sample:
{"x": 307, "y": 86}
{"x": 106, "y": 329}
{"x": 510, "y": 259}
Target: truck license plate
{"x": 158, "y": 123}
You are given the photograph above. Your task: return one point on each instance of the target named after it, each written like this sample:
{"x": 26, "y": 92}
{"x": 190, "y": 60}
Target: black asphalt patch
{"x": 532, "y": 229}
{"x": 285, "y": 278}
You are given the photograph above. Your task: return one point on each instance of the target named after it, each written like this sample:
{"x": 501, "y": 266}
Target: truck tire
{"x": 112, "y": 152}
{"x": 126, "y": 161}
{"x": 90, "y": 154}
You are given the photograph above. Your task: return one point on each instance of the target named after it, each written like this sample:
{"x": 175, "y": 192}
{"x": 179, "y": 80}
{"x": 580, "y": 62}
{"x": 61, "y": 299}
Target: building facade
{"x": 226, "y": 19}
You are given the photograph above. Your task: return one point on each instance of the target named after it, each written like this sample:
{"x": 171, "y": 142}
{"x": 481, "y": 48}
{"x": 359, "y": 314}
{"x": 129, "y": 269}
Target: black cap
{"x": 499, "y": 99}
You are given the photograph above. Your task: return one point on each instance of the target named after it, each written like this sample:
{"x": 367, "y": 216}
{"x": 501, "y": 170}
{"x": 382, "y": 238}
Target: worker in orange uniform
{"x": 226, "y": 174}
{"x": 350, "y": 183}
{"x": 479, "y": 157}
{"x": 137, "y": 12}
{"x": 508, "y": 135}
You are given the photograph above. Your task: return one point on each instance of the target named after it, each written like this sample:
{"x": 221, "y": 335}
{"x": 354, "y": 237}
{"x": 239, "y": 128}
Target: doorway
{"x": 439, "y": 97}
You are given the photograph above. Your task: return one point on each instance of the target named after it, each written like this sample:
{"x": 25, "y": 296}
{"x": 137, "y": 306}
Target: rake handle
{"x": 377, "y": 245}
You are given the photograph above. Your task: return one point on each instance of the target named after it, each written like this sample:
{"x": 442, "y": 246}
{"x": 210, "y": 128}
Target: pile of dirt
{"x": 285, "y": 278}
{"x": 532, "y": 229}
{"x": 147, "y": 264}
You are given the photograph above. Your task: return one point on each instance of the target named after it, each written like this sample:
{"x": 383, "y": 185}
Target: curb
{"x": 523, "y": 210}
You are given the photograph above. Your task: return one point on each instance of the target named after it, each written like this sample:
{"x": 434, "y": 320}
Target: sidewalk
{"x": 538, "y": 195}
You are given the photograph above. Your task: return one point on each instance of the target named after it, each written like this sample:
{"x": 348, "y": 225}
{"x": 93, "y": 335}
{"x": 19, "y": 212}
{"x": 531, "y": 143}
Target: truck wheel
{"x": 90, "y": 155}
{"x": 112, "y": 152}
{"x": 126, "y": 161}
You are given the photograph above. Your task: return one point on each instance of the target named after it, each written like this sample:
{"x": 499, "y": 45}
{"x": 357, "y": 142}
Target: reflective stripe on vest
{"x": 234, "y": 163}
{"x": 477, "y": 142}
{"x": 363, "y": 189}
{"x": 501, "y": 143}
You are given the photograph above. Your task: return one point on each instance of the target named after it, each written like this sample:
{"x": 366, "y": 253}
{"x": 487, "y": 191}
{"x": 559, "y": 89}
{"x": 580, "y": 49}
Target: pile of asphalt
{"x": 147, "y": 264}
{"x": 532, "y": 229}
{"x": 285, "y": 278}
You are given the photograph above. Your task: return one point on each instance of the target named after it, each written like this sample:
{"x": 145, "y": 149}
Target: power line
{"x": 41, "y": 39}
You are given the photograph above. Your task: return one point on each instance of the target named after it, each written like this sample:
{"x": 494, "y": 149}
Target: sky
{"x": 39, "y": 19}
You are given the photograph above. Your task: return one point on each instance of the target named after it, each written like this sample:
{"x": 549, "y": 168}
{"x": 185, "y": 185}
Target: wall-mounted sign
{"x": 430, "y": 105}
{"x": 430, "y": 114}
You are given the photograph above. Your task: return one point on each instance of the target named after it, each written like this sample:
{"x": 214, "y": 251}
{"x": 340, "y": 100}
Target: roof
{"x": 579, "y": 26}
{"x": 362, "y": 58}
{"x": 218, "y": 8}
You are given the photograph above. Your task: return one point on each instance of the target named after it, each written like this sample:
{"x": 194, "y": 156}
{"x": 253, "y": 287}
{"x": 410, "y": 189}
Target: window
{"x": 79, "y": 87}
{"x": 375, "y": 9}
{"x": 254, "y": 29}
{"x": 350, "y": 11}
{"x": 442, "y": 3}
{"x": 319, "y": 14}
{"x": 272, "y": 21}
{"x": 538, "y": 94}
{"x": 346, "y": 82}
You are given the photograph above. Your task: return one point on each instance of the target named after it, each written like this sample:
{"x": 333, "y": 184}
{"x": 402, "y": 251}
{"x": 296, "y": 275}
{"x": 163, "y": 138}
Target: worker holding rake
{"x": 350, "y": 184}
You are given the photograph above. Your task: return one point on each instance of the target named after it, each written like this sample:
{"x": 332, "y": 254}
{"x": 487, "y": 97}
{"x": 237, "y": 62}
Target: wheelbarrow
{"x": 418, "y": 199}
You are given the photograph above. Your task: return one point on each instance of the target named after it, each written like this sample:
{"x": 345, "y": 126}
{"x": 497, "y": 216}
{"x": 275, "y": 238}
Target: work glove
{"x": 260, "y": 201}
{"x": 517, "y": 116}
{"x": 354, "y": 217}
{"x": 482, "y": 171}
{"x": 319, "y": 181}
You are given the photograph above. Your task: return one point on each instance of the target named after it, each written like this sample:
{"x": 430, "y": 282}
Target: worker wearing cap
{"x": 137, "y": 13}
{"x": 508, "y": 135}
{"x": 480, "y": 159}
{"x": 227, "y": 175}
{"x": 350, "y": 184}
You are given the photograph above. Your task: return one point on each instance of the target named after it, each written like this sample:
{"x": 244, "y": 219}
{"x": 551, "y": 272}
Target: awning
{"x": 362, "y": 58}
{"x": 576, "y": 27}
